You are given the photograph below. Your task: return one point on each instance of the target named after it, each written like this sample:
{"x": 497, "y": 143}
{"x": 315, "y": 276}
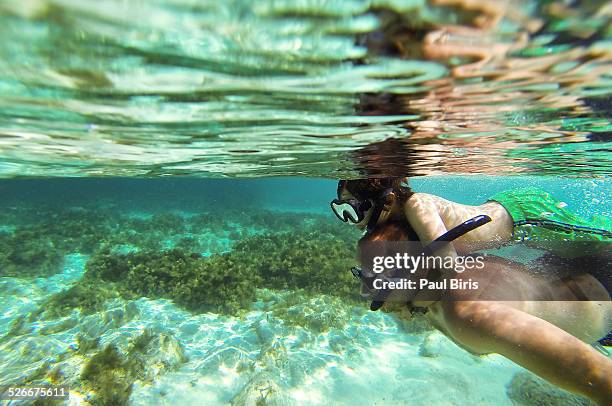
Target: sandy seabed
{"x": 365, "y": 358}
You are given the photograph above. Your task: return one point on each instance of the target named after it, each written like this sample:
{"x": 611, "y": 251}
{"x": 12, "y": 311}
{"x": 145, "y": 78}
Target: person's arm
{"x": 423, "y": 216}
{"x": 533, "y": 343}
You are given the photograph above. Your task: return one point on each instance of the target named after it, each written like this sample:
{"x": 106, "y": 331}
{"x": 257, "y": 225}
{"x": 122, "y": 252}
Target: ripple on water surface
{"x": 246, "y": 88}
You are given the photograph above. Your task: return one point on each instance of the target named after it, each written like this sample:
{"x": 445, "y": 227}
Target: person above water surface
{"x": 527, "y": 215}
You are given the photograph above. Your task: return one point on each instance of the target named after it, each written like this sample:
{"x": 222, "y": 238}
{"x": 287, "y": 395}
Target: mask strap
{"x": 378, "y": 208}
{"x": 339, "y": 188}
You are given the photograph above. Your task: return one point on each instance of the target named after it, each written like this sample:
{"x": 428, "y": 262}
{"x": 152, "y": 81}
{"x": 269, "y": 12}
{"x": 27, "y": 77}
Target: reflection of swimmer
{"x": 510, "y": 313}
{"x": 526, "y": 215}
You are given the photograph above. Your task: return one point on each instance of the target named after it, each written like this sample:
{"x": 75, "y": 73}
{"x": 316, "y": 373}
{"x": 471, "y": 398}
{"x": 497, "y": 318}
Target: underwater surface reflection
{"x": 341, "y": 88}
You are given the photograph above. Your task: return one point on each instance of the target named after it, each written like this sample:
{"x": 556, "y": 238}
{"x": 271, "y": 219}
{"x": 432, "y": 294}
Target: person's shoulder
{"x": 419, "y": 198}
{"x": 420, "y": 201}
{"x": 428, "y": 202}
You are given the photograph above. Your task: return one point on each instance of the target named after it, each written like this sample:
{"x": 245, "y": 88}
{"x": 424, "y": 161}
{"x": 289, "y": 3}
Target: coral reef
{"x": 34, "y": 241}
{"x": 316, "y": 263}
{"x": 26, "y": 252}
{"x": 316, "y": 314}
{"x": 196, "y": 283}
{"x": 110, "y": 374}
{"x": 88, "y": 294}
{"x": 41, "y": 238}
{"x": 313, "y": 262}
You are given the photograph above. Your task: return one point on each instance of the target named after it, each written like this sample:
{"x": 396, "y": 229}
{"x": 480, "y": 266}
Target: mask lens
{"x": 345, "y": 211}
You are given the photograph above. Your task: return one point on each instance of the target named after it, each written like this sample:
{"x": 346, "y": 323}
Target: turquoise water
{"x": 90, "y": 297}
{"x": 166, "y": 169}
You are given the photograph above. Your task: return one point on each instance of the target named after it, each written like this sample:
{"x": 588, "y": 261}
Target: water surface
{"x": 342, "y": 88}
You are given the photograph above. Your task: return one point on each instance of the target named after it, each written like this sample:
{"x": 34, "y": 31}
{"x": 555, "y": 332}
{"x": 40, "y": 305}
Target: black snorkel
{"x": 380, "y": 296}
{"x": 456, "y": 232}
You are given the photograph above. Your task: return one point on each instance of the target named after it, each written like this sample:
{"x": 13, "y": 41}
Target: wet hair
{"x": 373, "y": 188}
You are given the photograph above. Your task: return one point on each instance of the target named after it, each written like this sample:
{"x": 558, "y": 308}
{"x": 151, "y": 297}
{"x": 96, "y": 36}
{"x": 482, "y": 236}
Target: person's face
{"x": 389, "y": 210}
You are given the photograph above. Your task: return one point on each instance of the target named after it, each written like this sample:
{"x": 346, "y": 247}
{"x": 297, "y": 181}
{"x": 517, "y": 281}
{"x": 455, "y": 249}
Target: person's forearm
{"x": 539, "y": 346}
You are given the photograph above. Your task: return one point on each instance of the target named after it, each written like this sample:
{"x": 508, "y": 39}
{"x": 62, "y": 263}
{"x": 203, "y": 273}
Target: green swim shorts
{"x": 544, "y": 222}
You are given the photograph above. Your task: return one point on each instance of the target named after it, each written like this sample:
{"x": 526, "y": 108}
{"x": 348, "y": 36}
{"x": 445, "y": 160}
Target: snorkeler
{"x": 527, "y": 215}
{"x": 541, "y": 324}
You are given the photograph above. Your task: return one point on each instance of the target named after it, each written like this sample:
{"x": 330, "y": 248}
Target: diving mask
{"x": 354, "y": 211}
{"x": 351, "y": 210}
